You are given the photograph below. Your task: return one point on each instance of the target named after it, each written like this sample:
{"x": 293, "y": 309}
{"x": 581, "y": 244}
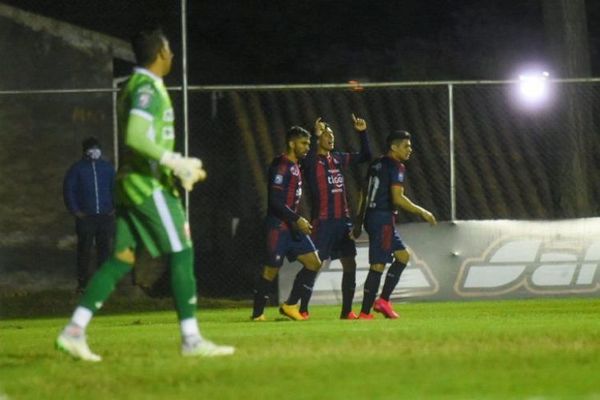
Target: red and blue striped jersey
{"x": 384, "y": 173}
{"x": 326, "y": 180}
{"x": 285, "y": 190}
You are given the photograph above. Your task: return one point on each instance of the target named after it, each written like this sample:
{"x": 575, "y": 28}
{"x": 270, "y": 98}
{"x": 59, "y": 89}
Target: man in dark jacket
{"x": 88, "y": 195}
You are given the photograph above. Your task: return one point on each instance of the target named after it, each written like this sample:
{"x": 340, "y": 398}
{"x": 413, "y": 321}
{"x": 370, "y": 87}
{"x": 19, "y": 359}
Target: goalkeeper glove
{"x": 188, "y": 169}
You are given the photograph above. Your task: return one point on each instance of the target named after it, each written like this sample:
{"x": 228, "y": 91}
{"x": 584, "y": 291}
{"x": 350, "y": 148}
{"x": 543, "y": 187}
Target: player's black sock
{"x": 305, "y": 298}
{"x": 391, "y": 279}
{"x": 303, "y": 285}
{"x": 304, "y": 301}
{"x": 371, "y": 288}
{"x": 348, "y": 286}
{"x": 261, "y": 295}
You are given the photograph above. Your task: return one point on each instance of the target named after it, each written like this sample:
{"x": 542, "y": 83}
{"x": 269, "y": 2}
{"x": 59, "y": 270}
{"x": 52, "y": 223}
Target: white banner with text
{"x": 498, "y": 259}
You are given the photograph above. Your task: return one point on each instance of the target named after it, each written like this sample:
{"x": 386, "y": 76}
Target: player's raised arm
{"x": 360, "y": 126}
{"x": 320, "y": 127}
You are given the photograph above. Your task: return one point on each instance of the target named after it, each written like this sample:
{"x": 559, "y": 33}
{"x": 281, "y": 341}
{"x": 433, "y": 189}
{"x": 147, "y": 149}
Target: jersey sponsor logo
{"x": 537, "y": 265}
{"x": 336, "y": 179}
{"x": 278, "y": 180}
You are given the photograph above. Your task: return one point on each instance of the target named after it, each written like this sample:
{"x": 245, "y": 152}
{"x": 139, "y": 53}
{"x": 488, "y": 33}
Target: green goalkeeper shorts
{"x": 158, "y": 223}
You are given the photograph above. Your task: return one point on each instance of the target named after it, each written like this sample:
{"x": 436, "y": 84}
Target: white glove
{"x": 188, "y": 169}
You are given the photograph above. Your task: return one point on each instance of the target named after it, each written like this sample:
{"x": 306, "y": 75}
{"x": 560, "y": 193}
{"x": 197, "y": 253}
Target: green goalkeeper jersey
{"x": 146, "y": 97}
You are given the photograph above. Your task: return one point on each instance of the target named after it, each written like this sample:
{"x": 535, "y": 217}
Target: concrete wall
{"x": 41, "y": 134}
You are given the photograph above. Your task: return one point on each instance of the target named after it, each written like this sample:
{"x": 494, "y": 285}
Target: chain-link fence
{"x": 478, "y": 156}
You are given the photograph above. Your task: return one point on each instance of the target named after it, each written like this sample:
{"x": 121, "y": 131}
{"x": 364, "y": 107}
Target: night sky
{"x": 236, "y": 42}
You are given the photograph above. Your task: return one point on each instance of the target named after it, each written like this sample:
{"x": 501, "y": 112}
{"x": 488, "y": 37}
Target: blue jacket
{"x": 88, "y": 187}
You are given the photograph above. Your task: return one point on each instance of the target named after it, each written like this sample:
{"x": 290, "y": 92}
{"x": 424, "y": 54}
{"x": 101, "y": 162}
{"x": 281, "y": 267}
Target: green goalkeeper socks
{"x": 103, "y": 283}
{"x": 183, "y": 283}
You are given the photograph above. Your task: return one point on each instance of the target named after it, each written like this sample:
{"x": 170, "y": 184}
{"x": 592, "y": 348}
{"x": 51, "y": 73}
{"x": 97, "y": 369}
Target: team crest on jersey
{"x": 294, "y": 170}
{"x": 278, "y": 179}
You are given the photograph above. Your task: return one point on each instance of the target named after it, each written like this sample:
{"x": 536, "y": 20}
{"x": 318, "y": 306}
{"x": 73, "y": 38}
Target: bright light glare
{"x": 533, "y": 87}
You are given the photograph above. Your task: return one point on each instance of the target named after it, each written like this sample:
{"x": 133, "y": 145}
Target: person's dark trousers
{"x": 98, "y": 229}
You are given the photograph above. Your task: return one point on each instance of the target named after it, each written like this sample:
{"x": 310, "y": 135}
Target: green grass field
{"x": 531, "y": 349}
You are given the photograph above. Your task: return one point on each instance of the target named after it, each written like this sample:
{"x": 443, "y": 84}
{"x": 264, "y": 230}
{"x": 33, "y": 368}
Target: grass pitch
{"x": 531, "y": 349}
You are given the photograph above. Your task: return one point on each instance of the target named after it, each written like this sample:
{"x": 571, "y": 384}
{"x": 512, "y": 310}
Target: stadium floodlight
{"x": 533, "y": 87}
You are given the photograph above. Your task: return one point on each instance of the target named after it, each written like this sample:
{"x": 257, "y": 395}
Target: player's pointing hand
{"x": 359, "y": 123}
{"x": 319, "y": 127}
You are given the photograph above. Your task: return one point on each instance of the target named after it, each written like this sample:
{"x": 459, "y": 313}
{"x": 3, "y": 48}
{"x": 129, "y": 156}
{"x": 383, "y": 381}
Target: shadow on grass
{"x": 61, "y": 303}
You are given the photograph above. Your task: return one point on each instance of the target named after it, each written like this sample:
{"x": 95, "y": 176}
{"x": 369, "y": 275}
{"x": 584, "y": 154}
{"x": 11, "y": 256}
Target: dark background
{"x": 511, "y": 163}
{"x": 334, "y": 41}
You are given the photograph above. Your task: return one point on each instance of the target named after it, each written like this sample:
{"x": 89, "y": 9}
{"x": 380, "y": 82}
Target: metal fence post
{"x": 451, "y": 144}
{"x": 184, "y": 88}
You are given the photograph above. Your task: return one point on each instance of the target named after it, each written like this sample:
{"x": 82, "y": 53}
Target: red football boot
{"x": 350, "y": 315}
{"x": 362, "y": 315}
{"x": 305, "y": 314}
{"x": 385, "y": 308}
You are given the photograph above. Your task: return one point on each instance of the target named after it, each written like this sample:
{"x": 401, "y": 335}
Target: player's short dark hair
{"x": 396, "y": 136}
{"x": 90, "y": 143}
{"x": 146, "y": 45}
{"x": 296, "y": 132}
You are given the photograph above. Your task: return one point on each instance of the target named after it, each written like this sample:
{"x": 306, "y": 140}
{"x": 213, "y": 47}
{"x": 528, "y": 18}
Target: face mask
{"x": 93, "y": 153}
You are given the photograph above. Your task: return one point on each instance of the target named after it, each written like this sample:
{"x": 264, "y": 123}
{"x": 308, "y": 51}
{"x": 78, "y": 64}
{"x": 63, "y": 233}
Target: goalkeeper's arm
{"x": 188, "y": 169}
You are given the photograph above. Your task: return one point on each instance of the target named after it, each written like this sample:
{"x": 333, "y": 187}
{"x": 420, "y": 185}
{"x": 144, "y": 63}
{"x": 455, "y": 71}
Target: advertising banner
{"x": 497, "y": 259}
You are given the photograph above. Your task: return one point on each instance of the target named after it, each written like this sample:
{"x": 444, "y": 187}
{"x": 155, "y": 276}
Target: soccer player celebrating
{"x": 287, "y": 232}
{"x": 149, "y": 210}
{"x": 332, "y": 227}
{"x": 384, "y": 195}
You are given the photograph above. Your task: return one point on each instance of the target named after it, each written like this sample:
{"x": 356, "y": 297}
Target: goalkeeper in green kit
{"x": 149, "y": 210}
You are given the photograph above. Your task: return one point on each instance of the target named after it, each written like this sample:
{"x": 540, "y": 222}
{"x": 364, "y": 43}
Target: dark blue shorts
{"x": 384, "y": 239}
{"x": 331, "y": 236}
{"x": 281, "y": 242}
